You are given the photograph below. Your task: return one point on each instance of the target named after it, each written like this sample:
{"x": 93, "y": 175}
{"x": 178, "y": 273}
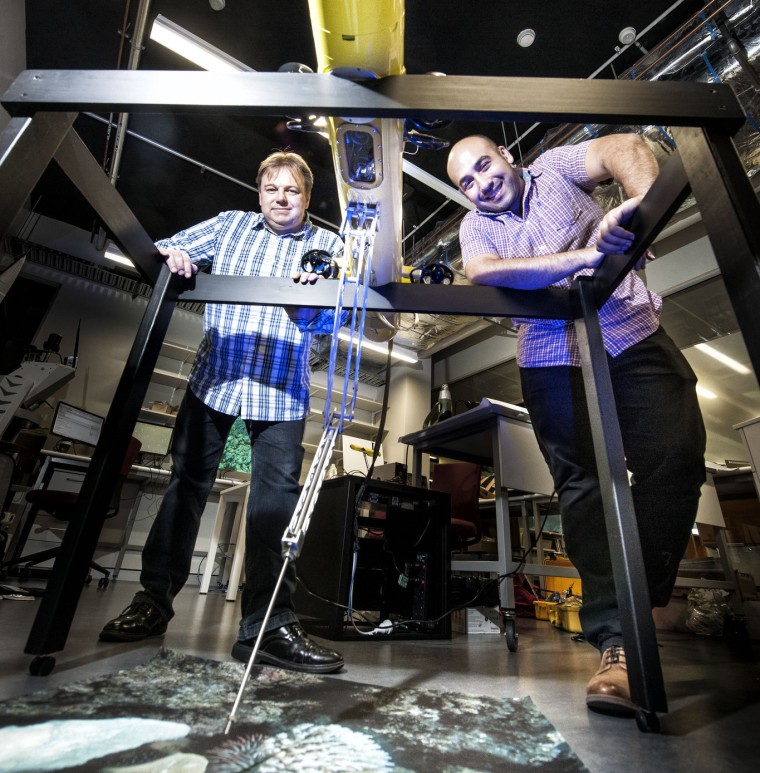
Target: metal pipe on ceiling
{"x": 133, "y": 63}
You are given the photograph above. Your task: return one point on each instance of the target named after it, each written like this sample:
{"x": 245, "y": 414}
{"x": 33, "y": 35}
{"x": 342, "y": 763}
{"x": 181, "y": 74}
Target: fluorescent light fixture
{"x": 706, "y": 393}
{"x": 193, "y": 48}
{"x": 400, "y": 354}
{"x": 114, "y": 254}
{"x": 720, "y": 357}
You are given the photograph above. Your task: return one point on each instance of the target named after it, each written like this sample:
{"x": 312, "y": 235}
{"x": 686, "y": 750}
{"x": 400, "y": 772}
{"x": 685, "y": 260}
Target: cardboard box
{"x": 472, "y": 621}
{"x": 161, "y": 407}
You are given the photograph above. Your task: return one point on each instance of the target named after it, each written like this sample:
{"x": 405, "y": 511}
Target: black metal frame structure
{"x": 704, "y": 118}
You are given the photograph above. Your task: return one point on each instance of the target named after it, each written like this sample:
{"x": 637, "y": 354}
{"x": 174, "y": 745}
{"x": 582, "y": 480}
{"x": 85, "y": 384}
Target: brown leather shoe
{"x": 608, "y": 690}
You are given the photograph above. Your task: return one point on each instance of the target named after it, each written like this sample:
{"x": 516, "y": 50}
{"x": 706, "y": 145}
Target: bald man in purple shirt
{"x": 540, "y": 226}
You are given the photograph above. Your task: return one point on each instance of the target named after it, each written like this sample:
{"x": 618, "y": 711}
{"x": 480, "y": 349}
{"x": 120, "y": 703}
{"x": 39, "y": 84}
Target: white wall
{"x": 409, "y": 404}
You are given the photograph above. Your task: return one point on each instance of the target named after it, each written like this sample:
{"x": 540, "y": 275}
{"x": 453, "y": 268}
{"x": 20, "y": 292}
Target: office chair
{"x": 27, "y": 444}
{"x": 60, "y": 504}
{"x": 461, "y": 481}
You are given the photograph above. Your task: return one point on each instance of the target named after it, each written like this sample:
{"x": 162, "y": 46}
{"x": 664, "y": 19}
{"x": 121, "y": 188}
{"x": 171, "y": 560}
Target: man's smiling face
{"x": 483, "y": 172}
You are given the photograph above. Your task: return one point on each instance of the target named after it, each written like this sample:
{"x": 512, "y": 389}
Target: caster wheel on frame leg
{"x": 510, "y": 631}
{"x": 42, "y": 665}
{"x": 647, "y": 721}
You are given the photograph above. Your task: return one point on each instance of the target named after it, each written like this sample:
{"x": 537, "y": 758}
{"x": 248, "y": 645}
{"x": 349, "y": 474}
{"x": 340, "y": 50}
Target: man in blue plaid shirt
{"x": 253, "y": 362}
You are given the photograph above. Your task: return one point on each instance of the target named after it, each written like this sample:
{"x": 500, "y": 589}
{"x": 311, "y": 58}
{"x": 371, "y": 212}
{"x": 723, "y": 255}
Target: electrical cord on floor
{"x": 335, "y": 604}
{"x": 388, "y": 626}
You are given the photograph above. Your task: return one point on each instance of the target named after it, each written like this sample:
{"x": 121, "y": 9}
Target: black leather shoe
{"x": 138, "y": 621}
{"x": 289, "y": 647}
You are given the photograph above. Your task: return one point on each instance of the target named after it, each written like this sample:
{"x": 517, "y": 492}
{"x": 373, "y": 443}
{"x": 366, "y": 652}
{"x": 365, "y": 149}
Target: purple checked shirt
{"x": 560, "y": 215}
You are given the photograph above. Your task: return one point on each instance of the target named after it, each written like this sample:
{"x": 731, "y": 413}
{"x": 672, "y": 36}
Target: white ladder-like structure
{"x": 358, "y": 232}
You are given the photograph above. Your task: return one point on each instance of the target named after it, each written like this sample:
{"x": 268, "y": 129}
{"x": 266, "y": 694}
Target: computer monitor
{"x": 156, "y": 439}
{"x": 76, "y": 424}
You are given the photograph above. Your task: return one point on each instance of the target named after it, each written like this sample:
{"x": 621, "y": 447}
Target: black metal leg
{"x": 731, "y": 213}
{"x": 54, "y": 617}
{"x": 639, "y": 638}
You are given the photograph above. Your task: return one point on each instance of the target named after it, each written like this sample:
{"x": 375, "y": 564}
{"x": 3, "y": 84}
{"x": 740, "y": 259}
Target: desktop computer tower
{"x": 380, "y": 548}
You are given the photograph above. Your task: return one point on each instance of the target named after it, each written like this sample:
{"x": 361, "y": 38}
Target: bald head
{"x": 482, "y": 170}
{"x": 474, "y": 143}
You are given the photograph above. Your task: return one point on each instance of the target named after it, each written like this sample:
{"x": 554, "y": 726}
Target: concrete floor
{"x": 713, "y": 685}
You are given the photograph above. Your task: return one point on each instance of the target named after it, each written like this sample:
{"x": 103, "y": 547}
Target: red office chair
{"x": 461, "y": 481}
{"x": 60, "y": 504}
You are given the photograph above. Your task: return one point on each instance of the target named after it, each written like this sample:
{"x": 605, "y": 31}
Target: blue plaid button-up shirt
{"x": 559, "y": 215}
{"x": 253, "y": 361}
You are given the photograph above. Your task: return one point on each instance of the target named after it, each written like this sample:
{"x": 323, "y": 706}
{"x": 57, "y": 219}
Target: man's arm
{"x": 624, "y": 158}
{"x": 627, "y": 159}
{"x": 530, "y": 273}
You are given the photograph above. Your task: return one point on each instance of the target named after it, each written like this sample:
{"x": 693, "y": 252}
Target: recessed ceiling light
{"x": 627, "y": 35}
{"x": 526, "y": 38}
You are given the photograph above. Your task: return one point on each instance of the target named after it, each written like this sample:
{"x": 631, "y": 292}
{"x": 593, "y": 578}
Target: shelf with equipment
{"x": 169, "y": 378}
{"x": 362, "y": 403}
{"x": 366, "y": 411}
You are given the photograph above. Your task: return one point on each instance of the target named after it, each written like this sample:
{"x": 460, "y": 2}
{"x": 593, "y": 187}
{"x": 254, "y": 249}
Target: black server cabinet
{"x": 381, "y": 548}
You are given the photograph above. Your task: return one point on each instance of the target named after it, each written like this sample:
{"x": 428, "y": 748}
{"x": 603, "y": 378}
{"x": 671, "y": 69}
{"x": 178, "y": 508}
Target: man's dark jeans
{"x": 664, "y": 440}
{"x": 197, "y": 445}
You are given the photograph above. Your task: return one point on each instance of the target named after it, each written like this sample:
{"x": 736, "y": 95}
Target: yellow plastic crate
{"x": 568, "y": 616}
{"x": 555, "y": 584}
{"x": 545, "y": 610}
